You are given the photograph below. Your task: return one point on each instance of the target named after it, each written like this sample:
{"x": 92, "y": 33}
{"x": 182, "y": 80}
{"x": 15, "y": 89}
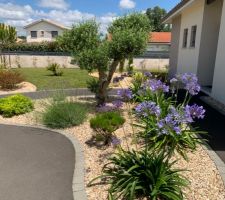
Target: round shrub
{"x": 64, "y": 115}
{"x": 15, "y": 105}
{"x": 107, "y": 122}
{"x": 9, "y": 79}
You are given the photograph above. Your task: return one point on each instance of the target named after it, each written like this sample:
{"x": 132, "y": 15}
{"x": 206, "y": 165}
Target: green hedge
{"x": 34, "y": 47}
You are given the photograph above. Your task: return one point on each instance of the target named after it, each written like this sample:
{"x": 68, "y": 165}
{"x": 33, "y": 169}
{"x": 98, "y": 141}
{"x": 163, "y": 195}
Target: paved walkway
{"x": 67, "y": 92}
{"x": 35, "y": 164}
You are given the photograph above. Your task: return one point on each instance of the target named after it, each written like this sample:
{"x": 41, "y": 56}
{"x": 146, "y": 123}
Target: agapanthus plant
{"x": 167, "y": 124}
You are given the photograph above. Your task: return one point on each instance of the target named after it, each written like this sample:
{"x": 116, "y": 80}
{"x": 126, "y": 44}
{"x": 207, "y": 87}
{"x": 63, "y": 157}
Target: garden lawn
{"x": 44, "y": 80}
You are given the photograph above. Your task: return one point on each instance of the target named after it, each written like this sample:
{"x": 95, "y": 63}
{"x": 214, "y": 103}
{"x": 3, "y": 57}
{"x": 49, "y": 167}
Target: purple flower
{"x": 105, "y": 108}
{"x": 118, "y": 79}
{"x": 173, "y": 80}
{"x": 190, "y": 82}
{"x": 147, "y": 108}
{"x": 195, "y": 111}
{"x": 148, "y": 74}
{"x": 156, "y": 85}
{"x": 125, "y": 94}
{"x": 115, "y": 141}
{"x": 117, "y": 103}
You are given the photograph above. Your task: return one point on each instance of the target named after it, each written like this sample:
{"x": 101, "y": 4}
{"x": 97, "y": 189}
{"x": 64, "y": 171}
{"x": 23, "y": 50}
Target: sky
{"x": 19, "y": 13}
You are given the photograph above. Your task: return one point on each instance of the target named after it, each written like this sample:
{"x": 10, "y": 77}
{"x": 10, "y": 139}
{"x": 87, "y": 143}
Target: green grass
{"x": 44, "y": 80}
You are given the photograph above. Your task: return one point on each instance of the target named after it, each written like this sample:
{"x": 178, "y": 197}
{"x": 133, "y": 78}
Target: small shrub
{"x": 15, "y": 105}
{"x": 64, "y": 114}
{"x": 107, "y": 122}
{"x": 141, "y": 174}
{"x": 55, "y": 69}
{"x": 9, "y": 79}
{"x": 93, "y": 85}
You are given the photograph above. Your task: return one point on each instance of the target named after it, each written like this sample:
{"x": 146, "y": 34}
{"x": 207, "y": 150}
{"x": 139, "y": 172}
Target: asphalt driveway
{"x": 35, "y": 164}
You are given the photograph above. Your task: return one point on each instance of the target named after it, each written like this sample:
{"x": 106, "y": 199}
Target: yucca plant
{"x": 142, "y": 174}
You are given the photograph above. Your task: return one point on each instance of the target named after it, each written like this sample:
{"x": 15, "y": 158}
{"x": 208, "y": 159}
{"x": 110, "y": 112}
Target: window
{"x": 54, "y": 34}
{"x": 42, "y": 34}
{"x": 193, "y": 36}
{"x": 185, "y": 37}
{"x": 33, "y": 34}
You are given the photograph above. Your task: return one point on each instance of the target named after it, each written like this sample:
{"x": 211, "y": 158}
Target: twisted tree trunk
{"x": 104, "y": 81}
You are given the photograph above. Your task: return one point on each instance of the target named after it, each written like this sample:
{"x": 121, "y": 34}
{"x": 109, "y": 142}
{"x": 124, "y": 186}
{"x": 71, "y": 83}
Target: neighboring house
{"x": 159, "y": 41}
{"x": 43, "y": 30}
{"x": 198, "y": 43}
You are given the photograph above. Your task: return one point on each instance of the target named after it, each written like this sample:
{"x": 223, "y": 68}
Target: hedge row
{"x": 34, "y": 47}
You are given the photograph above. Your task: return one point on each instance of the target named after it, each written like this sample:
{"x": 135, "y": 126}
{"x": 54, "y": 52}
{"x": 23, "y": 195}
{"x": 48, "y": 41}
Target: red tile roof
{"x": 160, "y": 37}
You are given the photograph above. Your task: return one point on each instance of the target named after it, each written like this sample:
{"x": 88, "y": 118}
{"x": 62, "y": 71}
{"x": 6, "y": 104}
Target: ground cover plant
{"x": 15, "y": 105}
{"x": 165, "y": 127}
{"x": 64, "y": 114}
{"x": 10, "y": 79}
{"x": 43, "y": 80}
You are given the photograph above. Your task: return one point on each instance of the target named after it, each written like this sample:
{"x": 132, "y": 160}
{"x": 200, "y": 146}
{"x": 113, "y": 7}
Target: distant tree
{"x": 128, "y": 38}
{"x": 7, "y": 36}
{"x": 155, "y": 16}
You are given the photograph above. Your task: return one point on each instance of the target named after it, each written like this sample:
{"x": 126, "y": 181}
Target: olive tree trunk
{"x": 104, "y": 81}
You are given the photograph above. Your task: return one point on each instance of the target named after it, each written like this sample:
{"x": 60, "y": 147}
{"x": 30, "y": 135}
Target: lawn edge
{"x": 78, "y": 184}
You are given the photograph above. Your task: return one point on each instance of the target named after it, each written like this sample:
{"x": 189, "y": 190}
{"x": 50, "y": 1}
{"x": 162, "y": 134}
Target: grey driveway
{"x": 35, "y": 164}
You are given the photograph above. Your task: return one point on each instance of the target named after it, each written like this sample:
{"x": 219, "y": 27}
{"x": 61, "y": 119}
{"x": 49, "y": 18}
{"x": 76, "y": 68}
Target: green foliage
{"x": 155, "y": 16}
{"x": 34, "y": 47}
{"x": 107, "y": 122}
{"x": 142, "y": 174}
{"x": 93, "y": 85}
{"x": 7, "y": 34}
{"x": 15, "y": 105}
{"x": 55, "y": 69}
{"x": 64, "y": 114}
{"x": 9, "y": 79}
{"x": 129, "y": 38}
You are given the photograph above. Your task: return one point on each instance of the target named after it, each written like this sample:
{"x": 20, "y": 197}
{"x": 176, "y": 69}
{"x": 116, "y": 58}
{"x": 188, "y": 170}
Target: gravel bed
{"x": 205, "y": 181}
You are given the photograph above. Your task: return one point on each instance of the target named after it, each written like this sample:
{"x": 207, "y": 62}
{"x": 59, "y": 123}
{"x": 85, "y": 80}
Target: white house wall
{"x": 188, "y": 57}
{"x": 218, "y": 90}
{"x": 42, "y": 26}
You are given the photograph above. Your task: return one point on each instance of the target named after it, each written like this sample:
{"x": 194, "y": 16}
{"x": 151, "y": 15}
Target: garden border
{"x": 78, "y": 184}
{"x": 220, "y": 165}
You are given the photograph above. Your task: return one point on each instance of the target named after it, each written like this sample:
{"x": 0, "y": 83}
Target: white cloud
{"x": 127, "y": 4}
{"x": 15, "y": 12}
{"x": 19, "y": 16}
{"x": 56, "y": 4}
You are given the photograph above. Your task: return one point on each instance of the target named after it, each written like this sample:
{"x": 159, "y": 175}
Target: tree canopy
{"x": 155, "y": 16}
{"x": 128, "y": 37}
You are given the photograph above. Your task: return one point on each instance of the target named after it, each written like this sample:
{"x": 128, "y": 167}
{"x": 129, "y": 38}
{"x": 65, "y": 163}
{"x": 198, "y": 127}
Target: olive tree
{"x": 128, "y": 38}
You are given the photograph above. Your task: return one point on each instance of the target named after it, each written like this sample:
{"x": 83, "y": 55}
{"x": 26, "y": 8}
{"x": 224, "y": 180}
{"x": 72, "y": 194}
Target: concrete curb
{"x": 78, "y": 185}
{"x": 220, "y": 165}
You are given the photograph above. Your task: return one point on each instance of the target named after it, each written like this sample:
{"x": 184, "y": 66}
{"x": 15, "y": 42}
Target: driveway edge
{"x": 78, "y": 184}
{"x": 220, "y": 165}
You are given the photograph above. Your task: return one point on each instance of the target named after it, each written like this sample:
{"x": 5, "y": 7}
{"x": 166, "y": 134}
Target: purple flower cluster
{"x": 119, "y": 78}
{"x": 148, "y": 74}
{"x": 156, "y": 85}
{"x": 125, "y": 94}
{"x": 175, "y": 119}
{"x": 117, "y": 104}
{"x": 190, "y": 82}
{"x": 147, "y": 108}
{"x": 195, "y": 111}
{"x": 115, "y": 141}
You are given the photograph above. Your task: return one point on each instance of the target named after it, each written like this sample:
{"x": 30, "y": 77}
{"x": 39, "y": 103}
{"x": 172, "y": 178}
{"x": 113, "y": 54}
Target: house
{"x": 159, "y": 41}
{"x": 43, "y": 30}
{"x": 198, "y": 43}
